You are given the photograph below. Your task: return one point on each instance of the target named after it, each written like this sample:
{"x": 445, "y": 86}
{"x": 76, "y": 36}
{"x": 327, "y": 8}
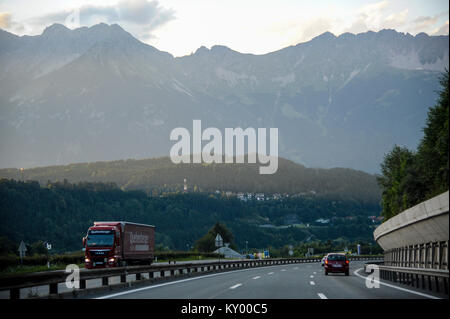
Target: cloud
{"x": 424, "y": 23}
{"x": 443, "y": 30}
{"x": 85, "y": 15}
{"x": 395, "y": 20}
{"x": 375, "y": 17}
{"x": 5, "y": 20}
{"x": 313, "y": 28}
{"x": 148, "y": 15}
{"x": 144, "y": 12}
{"x": 7, "y": 23}
{"x": 368, "y": 17}
{"x": 421, "y": 23}
{"x": 371, "y": 14}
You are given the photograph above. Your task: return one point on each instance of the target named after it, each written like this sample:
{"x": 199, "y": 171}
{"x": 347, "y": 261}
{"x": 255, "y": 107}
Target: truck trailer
{"x": 118, "y": 244}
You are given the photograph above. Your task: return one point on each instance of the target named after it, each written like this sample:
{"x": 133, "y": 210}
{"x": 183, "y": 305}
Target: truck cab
{"x": 103, "y": 246}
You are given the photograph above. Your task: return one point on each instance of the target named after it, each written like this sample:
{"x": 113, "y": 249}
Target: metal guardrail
{"x": 356, "y": 258}
{"x": 53, "y": 278}
{"x": 425, "y": 278}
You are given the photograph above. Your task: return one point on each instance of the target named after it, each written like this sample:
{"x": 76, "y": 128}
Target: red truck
{"x": 116, "y": 244}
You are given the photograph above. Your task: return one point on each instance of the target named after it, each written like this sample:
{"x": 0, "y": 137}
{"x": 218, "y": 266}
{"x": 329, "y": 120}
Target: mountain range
{"x": 99, "y": 94}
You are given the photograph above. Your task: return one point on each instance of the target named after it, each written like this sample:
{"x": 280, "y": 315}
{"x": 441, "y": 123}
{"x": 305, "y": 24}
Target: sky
{"x": 180, "y": 27}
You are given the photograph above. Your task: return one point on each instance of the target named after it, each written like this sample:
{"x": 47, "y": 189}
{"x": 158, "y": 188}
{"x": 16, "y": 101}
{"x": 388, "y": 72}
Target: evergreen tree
{"x": 433, "y": 149}
{"x": 207, "y": 242}
{"x": 409, "y": 178}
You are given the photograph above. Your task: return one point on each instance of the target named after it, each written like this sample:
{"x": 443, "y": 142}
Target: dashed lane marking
{"x": 235, "y": 286}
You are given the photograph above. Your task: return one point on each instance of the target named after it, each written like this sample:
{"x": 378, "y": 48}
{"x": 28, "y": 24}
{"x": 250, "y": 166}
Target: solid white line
{"x": 270, "y": 273}
{"x": 257, "y": 277}
{"x": 235, "y": 286}
{"x": 322, "y": 296}
{"x": 392, "y": 286}
{"x": 180, "y": 281}
{"x": 312, "y": 283}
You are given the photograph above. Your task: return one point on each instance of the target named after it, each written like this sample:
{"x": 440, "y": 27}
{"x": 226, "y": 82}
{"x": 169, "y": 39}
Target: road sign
{"x": 219, "y": 241}
{"x": 22, "y": 249}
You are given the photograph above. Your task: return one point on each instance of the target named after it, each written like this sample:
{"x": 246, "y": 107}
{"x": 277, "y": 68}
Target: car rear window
{"x": 336, "y": 257}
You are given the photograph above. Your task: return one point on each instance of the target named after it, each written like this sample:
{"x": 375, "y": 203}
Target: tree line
{"x": 410, "y": 177}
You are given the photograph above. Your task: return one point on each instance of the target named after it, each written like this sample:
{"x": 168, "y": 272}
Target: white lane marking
{"x": 312, "y": 283}
{"x": 311, "y": 276}
{"x": 314, "y": 273}
{"x": 257, "y": 277}
{"x": 322, "y": 296}
{"x": 179, "y": 281}
{"x": 283, "y": 269}
{"x": 399, "y": 288}
{"x": 270, "y": 273}
{"x": 235, "y": 286}
{"x": 295, "y": 268}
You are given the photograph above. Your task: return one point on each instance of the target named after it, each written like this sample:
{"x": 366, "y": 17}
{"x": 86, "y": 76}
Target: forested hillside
{"x": 61, "y": 213}
{"x": 159, "y": 175}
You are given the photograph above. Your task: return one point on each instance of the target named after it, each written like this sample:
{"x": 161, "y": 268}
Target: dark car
{"x": 337, "y": 263}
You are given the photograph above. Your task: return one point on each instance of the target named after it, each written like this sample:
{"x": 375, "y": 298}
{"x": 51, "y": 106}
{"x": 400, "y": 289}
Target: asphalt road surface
{"x": 42, "y": 291}
{"x": 298, "y": 281}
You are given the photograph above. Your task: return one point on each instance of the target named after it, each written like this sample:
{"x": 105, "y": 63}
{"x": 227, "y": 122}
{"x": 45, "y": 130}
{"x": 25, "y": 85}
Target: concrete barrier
{"x": 424, "y": 223}
{"x": 415, "y": 244}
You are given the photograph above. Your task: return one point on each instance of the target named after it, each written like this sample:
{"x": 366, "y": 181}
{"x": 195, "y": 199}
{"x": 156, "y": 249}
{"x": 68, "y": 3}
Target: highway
{"x": 292, "y": 281}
